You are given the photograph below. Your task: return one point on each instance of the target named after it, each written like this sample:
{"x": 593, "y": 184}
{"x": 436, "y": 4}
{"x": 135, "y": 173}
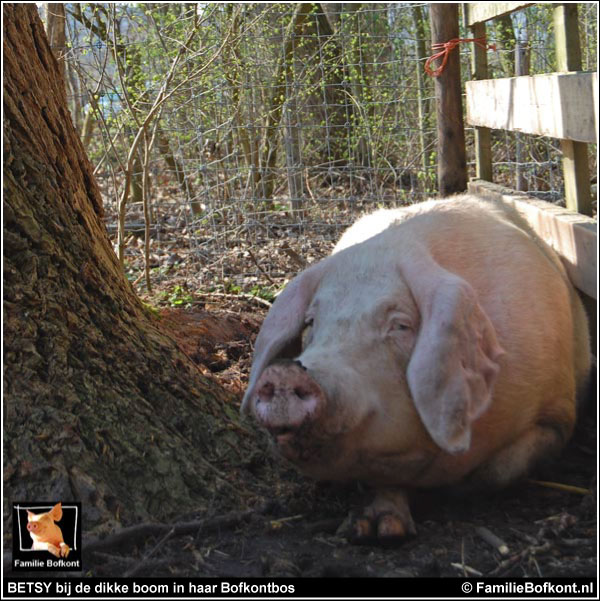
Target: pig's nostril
{"x": 301, "y": 393}
{"x": 266, "y": 392}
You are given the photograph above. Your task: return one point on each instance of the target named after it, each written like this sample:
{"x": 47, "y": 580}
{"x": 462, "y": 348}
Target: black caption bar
{"x": 198, "y": 588}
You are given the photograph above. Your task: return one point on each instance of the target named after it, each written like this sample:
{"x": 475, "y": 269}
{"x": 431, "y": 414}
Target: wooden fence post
{"x": 521, "y": 68}
{"x": 452, "y": 164}
{"x": 575, "y": 154}
{"x": 483, "y": 135}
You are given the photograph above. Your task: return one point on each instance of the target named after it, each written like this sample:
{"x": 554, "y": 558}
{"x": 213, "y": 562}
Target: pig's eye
{"x": 399, "y": 325}
{"x": 400, "y": 333}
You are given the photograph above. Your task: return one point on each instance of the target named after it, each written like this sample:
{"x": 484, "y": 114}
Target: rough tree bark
{"x": 100, "y": 406}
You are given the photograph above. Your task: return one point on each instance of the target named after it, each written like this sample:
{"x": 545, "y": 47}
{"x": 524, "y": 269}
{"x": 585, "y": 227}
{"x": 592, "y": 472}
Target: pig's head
{"x": 42, "y": 524}
{"x": 372, "y": 362}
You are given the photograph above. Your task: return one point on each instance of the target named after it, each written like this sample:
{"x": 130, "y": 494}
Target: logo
{"x": 46, "y": 536}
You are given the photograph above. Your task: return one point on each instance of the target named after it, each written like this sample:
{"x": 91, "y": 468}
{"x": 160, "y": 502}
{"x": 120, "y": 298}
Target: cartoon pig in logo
{"x": 46, "y": 535}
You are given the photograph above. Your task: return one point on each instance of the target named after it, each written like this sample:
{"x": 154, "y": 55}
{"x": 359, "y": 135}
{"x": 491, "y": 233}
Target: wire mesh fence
{"x": 255, "y": 133}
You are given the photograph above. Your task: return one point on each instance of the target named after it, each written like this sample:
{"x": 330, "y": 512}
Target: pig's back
{"x": 523, "y": 288}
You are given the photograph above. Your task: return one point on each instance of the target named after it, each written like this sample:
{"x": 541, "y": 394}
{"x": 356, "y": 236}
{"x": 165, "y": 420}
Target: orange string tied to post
{"x": 444, "y": 51}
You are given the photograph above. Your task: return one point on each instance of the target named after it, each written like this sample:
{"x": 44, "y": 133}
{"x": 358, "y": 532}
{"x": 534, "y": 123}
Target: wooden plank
{"x": 483, "y": 135}
{"x": 573, "y": 236}
{"x": 522, "y": 64}
{"x": 452, "y": 162}
{"x": 566, "y": 32}
{"x": 479, "y": 12}
{"x": 576, "y": 172}
{"x": 559, "y": 105}
{"x": 575, "y": 155}
{"x": 596, "y": 102}
{"x": 483, "y": 153}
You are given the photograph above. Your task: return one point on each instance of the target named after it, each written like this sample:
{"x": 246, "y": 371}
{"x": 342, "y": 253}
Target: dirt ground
{"x": 268, "y": 521}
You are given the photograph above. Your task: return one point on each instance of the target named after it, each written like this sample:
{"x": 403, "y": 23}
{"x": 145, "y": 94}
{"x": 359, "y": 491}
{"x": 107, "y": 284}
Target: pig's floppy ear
{"x": 284, "y": 322}
{"x": 454, "y": 362}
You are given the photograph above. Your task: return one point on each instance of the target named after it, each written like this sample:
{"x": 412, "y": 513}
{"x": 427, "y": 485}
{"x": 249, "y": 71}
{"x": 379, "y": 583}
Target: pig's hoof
{"x": 386, "y": 519}
{"x": 360, "y": 528}
{"x": 393, "y": 526}
{"x": 383, "y": 527}
{"x": 356, "y": 528}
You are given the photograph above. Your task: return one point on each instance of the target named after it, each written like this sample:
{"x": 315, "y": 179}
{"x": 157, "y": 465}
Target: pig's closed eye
{"x": 399, "y": 324}
{"x": 400, "y": 333}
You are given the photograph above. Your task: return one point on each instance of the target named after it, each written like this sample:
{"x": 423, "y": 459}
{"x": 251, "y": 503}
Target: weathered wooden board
{"x": 559, "y": 105}
{"x": 483, "y": 135}
{"x": 575, "y": 154}
{"x": 573, "y": 236}
{"x": 452, "y": 163}
{"x": 478, "y": 12}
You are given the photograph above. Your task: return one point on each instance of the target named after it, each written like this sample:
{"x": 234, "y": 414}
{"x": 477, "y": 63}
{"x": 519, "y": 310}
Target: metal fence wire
{"x": 282, "y": 122}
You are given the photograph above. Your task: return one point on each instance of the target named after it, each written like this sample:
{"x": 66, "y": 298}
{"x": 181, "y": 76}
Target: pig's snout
{"x": 287, "y": 398}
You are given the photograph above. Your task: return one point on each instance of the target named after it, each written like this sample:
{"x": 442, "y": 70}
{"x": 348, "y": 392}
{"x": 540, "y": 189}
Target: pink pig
{"x": 438, "y": 344}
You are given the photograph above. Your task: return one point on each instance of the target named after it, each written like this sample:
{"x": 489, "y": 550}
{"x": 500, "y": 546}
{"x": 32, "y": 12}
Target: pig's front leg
{"x": 41, "y": 546}
{"x": 387, "y": 517}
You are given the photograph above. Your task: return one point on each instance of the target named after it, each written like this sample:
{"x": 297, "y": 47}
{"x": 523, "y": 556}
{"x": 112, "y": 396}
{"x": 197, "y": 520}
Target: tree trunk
{"x": 136, "y": 188}
{"x": 55, "y": 31}
{"x": 335, "y": 78}
{"x": 293, "y": 156}
{"x": 419, "y": 25}
{"x": 177, "y": 170}
{"x": 505, "y": 42}
{"x": 276, "y": 102}
{"x": 100, "y": 405}
{"x": 234, "y": 71}
{"x": 87, "y": 129}
{"x": 74, "y": 91}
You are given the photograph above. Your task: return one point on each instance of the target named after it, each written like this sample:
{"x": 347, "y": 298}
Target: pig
{"x": 440, "y": 344}
{"x": 46, "y": 535}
